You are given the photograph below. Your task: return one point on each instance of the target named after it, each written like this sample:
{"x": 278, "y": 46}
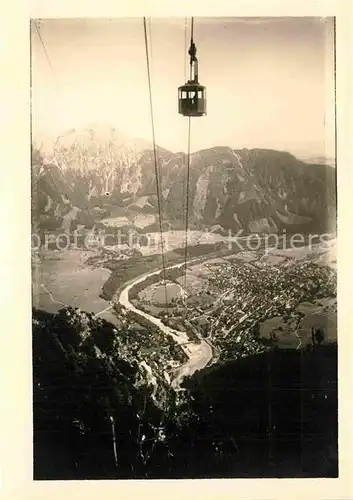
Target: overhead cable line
{"x": 188, "y": 169}
{"x": 187, "y": 202}
{"x": 43, "y": 45}
{"x": 183, "y": 159}
{"x": 155, "y": 162}
{"x": 185, "y": 48}
{"x": 81, "y": 196}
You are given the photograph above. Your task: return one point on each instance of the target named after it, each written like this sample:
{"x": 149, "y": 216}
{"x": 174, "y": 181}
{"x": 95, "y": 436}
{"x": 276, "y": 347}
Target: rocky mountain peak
{"x": 257, "y": 190}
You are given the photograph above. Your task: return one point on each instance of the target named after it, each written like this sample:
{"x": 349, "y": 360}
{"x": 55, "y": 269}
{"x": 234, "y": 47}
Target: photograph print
{"x": 183, "y": 250}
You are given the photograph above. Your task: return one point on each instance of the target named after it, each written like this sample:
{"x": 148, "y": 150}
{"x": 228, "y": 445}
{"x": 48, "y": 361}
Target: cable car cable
{"x": 185, "y": 76}
{"x": 188, "y": 167}
{"x": 151, "y": 43}
{"x": 73, "y": 174}
{"x": 52, "y": 69}
{"x": 155, "y": 161}
{"x": 185, "y": 48}
{"x": 187, "y": 201}
{"x": 44, "y": 48}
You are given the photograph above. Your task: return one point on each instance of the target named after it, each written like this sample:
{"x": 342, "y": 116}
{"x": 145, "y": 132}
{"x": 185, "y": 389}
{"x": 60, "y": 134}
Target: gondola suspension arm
{"x": 192, "y": 95}
{"x": 193, "y": 58}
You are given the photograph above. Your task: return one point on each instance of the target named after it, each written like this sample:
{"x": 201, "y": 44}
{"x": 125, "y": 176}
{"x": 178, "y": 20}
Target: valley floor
{"x": 215, "y": 341}
{"x": 62, "y": 278}
{"x": 224, "y": 307}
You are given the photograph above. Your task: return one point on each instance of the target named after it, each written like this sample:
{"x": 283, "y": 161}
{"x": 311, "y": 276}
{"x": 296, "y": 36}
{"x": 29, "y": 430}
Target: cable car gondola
{"x": 192, "y": 95}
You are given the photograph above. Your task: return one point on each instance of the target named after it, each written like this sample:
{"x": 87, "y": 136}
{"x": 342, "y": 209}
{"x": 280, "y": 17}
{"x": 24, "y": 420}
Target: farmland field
{"x": 62, "y": 278}
{"x": 319, "y": 314}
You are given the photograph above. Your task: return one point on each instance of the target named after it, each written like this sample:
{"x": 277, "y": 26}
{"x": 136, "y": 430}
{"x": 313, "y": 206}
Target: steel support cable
{"x": 151, "y": 44}
{"x": 188, "y": 171}
{"x": 185, "y": 48}
{"x": 51, "y": 67}
{"x": 155, "y": 160}
{"x": 187, "y": 201}
{"x": 44, "y": 47}
{"x": 183, "y": 159}
{"x": 74, "y": 175}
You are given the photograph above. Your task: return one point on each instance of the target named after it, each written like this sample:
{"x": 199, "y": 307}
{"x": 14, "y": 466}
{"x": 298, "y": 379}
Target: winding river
{"x": 199, "y": 354}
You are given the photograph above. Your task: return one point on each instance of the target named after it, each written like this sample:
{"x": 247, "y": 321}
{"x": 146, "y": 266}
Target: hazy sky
{"x": 269, "y": 81}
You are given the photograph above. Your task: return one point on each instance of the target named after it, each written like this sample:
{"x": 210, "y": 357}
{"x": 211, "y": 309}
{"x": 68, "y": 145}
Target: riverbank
{"x": 199, "y": 354}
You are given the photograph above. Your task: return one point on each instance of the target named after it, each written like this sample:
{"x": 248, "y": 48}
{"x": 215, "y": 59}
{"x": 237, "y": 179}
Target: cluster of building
{"x": 246, "y": 295}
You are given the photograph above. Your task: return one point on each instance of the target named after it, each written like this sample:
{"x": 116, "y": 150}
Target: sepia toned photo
{"x": 183, "y": 248}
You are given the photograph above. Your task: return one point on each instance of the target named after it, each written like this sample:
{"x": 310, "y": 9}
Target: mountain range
{"x": 97, "y": 176}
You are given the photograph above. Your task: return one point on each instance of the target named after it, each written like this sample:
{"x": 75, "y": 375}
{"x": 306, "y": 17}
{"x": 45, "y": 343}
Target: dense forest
{"x": 96, "y": 417}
